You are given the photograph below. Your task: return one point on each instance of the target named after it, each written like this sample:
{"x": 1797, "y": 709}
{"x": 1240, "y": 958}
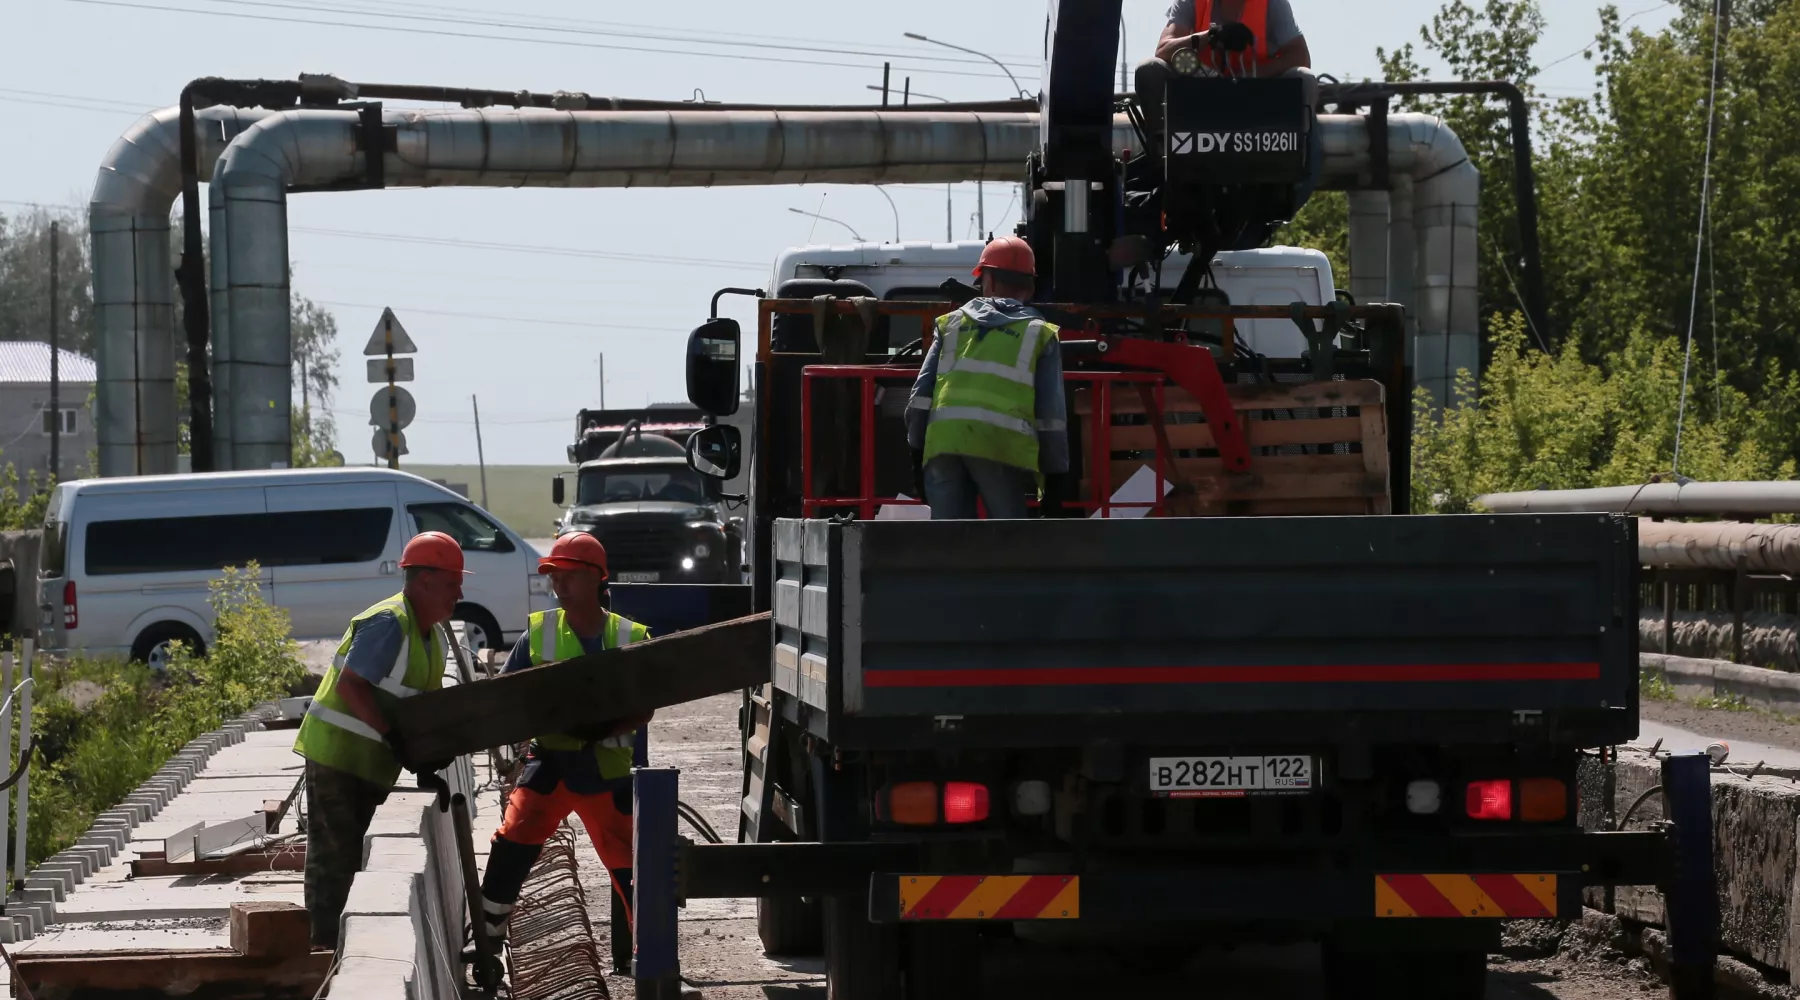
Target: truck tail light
{"x": 910, "y": 803}
{"x": 1490, "y": 800}
{"x": 1543, "y": 800}
{"x": 965, "y": 802}
{"x": 71, "y": 615}
{"x": 927, "y": 803}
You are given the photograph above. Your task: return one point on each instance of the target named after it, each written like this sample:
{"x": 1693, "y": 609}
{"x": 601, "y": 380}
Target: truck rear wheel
{"x": 862, "y": 959}
{"x": 943, "y": 962}
{"x": 789, "y": 926}
{"x": 1404, "y": 975}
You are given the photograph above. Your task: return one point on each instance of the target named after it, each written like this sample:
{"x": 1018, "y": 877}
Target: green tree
{"x": 25, "y": 279}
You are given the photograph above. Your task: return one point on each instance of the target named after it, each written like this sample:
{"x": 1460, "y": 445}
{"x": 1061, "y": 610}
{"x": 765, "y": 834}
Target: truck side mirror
{"x": 716, "y": 452}
{"x": 556, "y": 491}
{"x": 712, "y": 367}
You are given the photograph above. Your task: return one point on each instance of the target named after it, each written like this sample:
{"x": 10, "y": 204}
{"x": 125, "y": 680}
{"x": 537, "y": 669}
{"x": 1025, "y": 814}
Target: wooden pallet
{"x": 1349, "y": 413}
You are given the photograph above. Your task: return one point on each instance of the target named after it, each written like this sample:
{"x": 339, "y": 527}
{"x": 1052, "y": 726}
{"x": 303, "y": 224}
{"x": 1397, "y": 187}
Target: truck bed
{"x": 1444, "y": 629}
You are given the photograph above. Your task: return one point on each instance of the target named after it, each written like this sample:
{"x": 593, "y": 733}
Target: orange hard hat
{"x": 1008, "y": 253}
{"x": 575, "y": 550}
{"x": 433, "y": 550}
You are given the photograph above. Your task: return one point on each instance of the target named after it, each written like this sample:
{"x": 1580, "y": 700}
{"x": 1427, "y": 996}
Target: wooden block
{"x": 1258, "y": 433}
{"x": 270, "y": 929}
{"x": 1257, "y": 396}
{"x": 586, "y": 690}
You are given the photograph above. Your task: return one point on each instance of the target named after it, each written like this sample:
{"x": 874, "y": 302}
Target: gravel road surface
{"x": 721, "y": 954}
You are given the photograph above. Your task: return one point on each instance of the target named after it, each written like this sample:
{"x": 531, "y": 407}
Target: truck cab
{"x": 661, "y": 522}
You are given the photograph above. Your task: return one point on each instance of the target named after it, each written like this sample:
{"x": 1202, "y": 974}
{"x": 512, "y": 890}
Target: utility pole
{"x": 56, "y": 418}
{"x": 603, "y": 381}
{"x": 480, "y": 454}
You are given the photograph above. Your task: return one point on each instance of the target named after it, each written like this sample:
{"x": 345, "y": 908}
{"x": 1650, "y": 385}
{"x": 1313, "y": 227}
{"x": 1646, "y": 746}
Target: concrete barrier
{"x": 1776, "y": 690}
{"x": 1756, "y": 825}
{"x": 32, "y": 908}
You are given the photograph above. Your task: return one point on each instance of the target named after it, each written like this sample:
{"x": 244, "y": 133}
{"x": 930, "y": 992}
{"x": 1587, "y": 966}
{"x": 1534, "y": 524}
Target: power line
{"x": 489, "y": 37}
{"x": 448, "y": 241}
{"x": 570, "y": 27}
{"x": 528, "y": 320}
{"x": 1687, "y": 360}
{"x": 1589, "y": 47}
{"x": 557, "y": 21}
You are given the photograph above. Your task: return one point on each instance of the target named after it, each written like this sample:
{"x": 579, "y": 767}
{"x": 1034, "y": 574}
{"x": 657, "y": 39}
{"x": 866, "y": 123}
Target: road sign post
{"x": 392, "y": 409}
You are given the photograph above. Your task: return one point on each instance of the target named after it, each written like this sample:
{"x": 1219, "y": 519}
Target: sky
{"x": 513, "y": 295}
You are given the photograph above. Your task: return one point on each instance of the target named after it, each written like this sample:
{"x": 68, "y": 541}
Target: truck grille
{"x": 641, "y": 547}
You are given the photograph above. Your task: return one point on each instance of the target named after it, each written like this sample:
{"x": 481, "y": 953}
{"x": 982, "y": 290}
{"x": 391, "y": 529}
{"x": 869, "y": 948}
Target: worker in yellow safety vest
{"x": 353, "y": 752}
{"x": 585, "y": 771}
{"x": 987, "y": 413}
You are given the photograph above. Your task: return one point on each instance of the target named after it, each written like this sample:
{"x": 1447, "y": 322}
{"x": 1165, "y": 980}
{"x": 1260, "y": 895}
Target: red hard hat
{"x": 575, "y": 550}
{"x": 1008, "y": 253}
{"x": 433, "y": 550}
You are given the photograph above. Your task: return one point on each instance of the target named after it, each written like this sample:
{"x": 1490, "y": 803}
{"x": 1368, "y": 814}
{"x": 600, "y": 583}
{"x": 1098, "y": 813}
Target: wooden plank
{"x": 215, "y": 974}
{"x": 1210, "y": 483}
{"x": 1375, "y": 454}
{"x": 1259, "y": 396}
{"x": 1259, "y": 434}
{"x": 586, "y": 690}
{"x": 1287, "y": 465}
{"x": 287, "y": 859}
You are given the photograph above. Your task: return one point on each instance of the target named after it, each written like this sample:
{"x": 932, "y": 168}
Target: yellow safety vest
{"x": 549, "y": 632}
{"x": 985, "y": 402}
{"x": 332, "y": 736}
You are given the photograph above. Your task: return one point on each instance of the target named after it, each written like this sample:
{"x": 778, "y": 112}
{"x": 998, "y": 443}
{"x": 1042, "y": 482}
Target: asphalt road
{"x": 721, "y": 954}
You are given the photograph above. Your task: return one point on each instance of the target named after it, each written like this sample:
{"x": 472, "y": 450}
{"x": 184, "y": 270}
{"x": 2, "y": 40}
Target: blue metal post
{"x": 656, "y": 956}
{"x": 1691, "y": 896}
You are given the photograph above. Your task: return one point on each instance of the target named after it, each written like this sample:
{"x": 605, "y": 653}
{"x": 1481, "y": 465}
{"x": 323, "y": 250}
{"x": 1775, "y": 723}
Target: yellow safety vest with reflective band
{"x": 551, "y": 634}
{"x": 331, "y": 735}
{"x": 985, "y": 404}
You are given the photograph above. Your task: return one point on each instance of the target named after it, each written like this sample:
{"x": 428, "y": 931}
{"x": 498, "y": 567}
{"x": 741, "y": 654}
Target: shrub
{"x": 108, "y": 726}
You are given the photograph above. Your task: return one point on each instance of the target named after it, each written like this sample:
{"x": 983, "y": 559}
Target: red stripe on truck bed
{"x": 1306, "y": 673}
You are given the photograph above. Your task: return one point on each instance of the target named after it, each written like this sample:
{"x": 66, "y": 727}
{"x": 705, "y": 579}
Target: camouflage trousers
{"x": 339, "y": 807}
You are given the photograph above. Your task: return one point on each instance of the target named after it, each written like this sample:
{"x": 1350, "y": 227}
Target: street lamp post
{"x": 827, "y": 218}
{"x": 894, "y": 207}
{"x": 915, "y": 36}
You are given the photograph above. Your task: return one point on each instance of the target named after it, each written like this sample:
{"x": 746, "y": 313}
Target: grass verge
{"x": 104, "y": 727}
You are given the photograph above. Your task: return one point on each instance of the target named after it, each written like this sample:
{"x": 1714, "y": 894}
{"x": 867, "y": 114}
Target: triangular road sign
{"x": 389, "y": 327}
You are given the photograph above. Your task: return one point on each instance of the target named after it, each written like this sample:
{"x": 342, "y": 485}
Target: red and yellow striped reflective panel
{"x": 990, "y": 897}
{"x": 1465, "y": 895}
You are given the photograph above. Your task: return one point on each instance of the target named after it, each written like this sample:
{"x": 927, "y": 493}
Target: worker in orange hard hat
{"x": 353, "y": 752}
{"x": 586, "y": 771}
{"x": 987, "y": 414}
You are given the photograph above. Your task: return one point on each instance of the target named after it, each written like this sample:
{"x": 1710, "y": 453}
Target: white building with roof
{"x": 26, "y": 419}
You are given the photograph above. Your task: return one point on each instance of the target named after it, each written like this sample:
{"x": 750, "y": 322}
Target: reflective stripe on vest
{"x": 985, "y": 399}
{"x": 548, "y": 631}
{"x": 332, "y": 735}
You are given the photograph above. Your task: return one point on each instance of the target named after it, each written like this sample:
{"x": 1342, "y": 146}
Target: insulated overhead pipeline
{"x": 1734, "y": 499}
{"x": 1377, "y": 93}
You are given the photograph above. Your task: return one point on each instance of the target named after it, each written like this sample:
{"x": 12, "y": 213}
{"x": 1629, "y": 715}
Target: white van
{"x": 126, "y": 561}
{"x": 1271, "y": 276}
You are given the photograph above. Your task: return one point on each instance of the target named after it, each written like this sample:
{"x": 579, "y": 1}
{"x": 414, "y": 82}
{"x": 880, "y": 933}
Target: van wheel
{"x": 152, "y": 645}
{"x": 483, "y": 632}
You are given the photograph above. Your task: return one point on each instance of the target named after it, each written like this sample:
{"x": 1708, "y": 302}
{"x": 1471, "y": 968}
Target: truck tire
{"x": 1405, "y": 975}
{"x": 789, "y": 926}
{"x": 862, "y": 959}
{"x": 943, "y": 962}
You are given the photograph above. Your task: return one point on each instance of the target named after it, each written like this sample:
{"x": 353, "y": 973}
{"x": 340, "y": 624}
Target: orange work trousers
{"x": 531, "y": 817}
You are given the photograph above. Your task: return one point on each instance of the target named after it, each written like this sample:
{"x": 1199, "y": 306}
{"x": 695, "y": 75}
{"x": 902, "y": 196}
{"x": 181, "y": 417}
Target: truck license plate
{"x": 1230, "y": 777}
{"x": 639, "y": 577}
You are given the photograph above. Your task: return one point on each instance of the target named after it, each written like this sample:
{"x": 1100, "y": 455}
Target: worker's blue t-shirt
{"x": 374, "y": 645}
{"x": 577, "y": 768}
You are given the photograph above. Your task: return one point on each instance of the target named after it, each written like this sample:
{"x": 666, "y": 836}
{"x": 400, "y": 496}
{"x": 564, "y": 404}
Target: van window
{"x": 285, "y": 538}
{"x": 465, "y": 524}
{"x": 56, "y": 549}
